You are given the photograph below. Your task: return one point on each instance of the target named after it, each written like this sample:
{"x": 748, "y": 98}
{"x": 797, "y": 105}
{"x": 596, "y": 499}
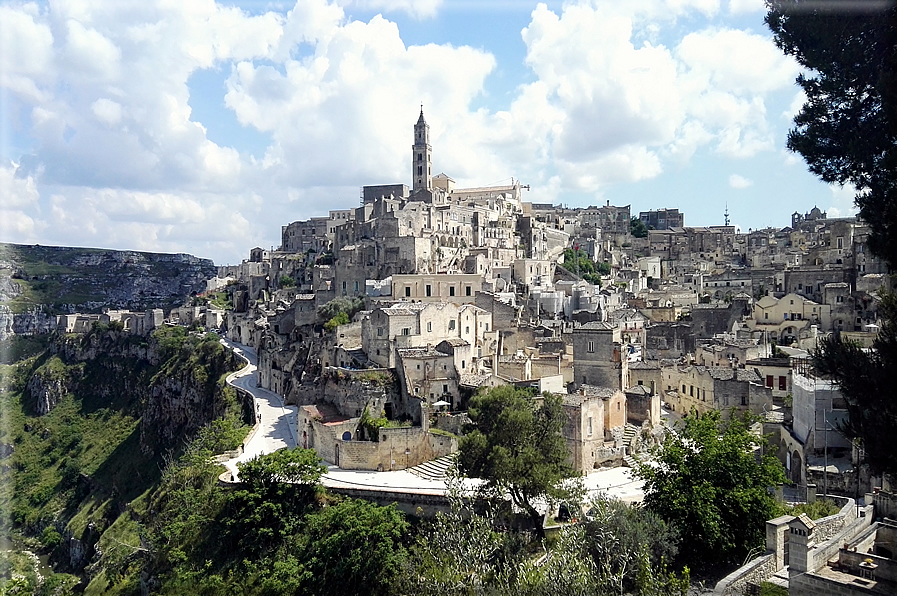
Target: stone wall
{"x": 397, "y": 449}
{"x": 754, "y": 573}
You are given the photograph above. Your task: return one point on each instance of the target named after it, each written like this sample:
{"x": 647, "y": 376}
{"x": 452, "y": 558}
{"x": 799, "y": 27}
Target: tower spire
{"x": 726, "y": 214}
{"x": 421, "y": 155}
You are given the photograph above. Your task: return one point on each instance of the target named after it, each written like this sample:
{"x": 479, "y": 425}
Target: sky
{"x": 203, "y": 127}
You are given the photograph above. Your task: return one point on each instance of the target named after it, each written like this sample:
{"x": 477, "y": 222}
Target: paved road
{"x": 277, "y": 428}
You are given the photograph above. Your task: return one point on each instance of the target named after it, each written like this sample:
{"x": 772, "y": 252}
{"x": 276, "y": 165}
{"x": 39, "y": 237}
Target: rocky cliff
{"x": 39, "y": 281}
{"x": 174, "y": 376}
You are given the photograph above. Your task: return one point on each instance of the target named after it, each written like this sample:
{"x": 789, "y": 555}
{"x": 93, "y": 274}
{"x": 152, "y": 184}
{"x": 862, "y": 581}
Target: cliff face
{"x": 32, "y": 322}
{"x": 171, "y": 379}
{"x": 46, "y": 280}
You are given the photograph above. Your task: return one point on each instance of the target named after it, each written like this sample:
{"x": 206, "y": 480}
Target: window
{"x": 445, "y": 389}
{"x": 406, "y": 331}
{"x": 590, "y": 425}
{"x": 407, "y": 292}
{"x": 356, "y": 287}
{"x": 420, "y": 170}
{"x": 429, "y": 290}
{"x": 691, "y": 390}
{"x": 783, "y": 383}
{"x": 451, "y": 290}
{"x": 467, "y": 290}
{"x": 591, "y": 346}
{"x": 766, "y": 315}
{"x": 467, "y": 329}
{"x": 683, "y": 390}
{"x": 452, "y": 325}
{"x": 744, "y": 400}
{"x": 769, "y": 381}
{"x": 429, "y": 326}
{"x": 463, "y": 366}
{"x": 379, "y": 331}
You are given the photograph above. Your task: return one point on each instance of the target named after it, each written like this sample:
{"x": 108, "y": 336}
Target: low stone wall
{"x": 762, "y": 568}
{"x": 417, "y": 504}
{"x": 825, "y": 551}
{"x": 755, "y": 572}
{"x": 833, "y": 524}
{"x": 397, "y": 449}
{"x": 885, "y": 503}
{"x": 452, "y": 423}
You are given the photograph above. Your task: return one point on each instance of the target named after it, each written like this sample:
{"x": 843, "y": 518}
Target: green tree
{"x": 638, "y": 228}
{"x": 353, "y": 547}
{"x": 847, "y": 133}
{"x": 350, "y": 306}
{"x": 709, "y": 483}
{"x": 275, "y": 490}
{"x": 286, "y": 281}
{"x": 866, "y": 380}
{"x": 847, "y": 129}
{"x": 341, "y": 318}
{"x": 517, "y": 447}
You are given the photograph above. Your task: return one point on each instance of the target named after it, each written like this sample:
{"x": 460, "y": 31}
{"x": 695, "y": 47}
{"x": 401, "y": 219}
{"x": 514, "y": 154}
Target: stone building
{"x": 592, "y": 412}
{"x": 705, "y": 388}
{"x": 598, "y": 357}
{"x": 662, "y": 219}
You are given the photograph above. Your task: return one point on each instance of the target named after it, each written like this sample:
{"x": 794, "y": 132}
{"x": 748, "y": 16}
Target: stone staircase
{"x": 359, "y": 357}
{"x": 630, "y": 432}
{"x": 433, "y": 470}
{"x": 630, "y": 435}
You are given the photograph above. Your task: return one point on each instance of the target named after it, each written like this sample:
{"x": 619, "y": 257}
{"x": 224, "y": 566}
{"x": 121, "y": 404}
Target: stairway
{"x": 630, "y": 436}
{"x": 359, "y": 357}
{"x": 630, "y": 432}
{"x": 433, "y": 470}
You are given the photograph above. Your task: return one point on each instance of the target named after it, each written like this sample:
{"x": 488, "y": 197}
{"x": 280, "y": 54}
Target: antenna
{"x": 726, "y": 214}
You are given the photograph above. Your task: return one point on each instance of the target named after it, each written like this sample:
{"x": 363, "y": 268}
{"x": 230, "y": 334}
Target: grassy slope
{"x": 80, "y": 468}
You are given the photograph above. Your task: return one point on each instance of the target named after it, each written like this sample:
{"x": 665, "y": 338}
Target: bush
{"x": 50, "y": 538}
{"x": 340, "y": 319}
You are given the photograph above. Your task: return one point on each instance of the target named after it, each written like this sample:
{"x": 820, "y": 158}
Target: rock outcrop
{"x": 38, "y": 282}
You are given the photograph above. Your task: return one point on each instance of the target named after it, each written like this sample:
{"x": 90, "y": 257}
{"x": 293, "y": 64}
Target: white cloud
{"x": 362, "y": 79}
{"x": 736, "y": 61}
{"x": 18, "y": 192}
{"x": 420, "y": 9}
{"x": 800, "y": 98}
{"x": 616, "y": 93}
{"x": 739, "y": 182}
{"x": 746, "y": 6}
{"x": 106, "y": 110}
{"x": 842, "y": 201}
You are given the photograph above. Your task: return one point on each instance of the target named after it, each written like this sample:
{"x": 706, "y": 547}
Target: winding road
{"x": 276, "y": 427}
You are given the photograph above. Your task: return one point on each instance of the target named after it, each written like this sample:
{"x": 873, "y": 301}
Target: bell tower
{"x": 421, "y": 158}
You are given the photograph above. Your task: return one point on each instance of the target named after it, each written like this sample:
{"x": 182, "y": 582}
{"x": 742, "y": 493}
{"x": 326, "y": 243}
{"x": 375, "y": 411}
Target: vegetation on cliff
{"x": 74, "y": 463}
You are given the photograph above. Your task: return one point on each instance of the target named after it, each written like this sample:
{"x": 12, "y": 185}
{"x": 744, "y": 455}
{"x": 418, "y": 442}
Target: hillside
{"x": 59, "y": 279}
{"x": 88, "y": 424}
